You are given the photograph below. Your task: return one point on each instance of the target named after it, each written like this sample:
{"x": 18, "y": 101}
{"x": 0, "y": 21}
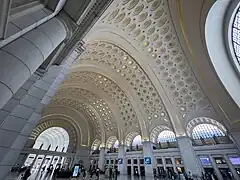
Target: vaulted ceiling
{"x": 134, "y": 75}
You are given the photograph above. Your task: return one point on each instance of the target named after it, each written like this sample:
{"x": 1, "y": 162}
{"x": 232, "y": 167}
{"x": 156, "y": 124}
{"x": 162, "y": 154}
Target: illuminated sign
{"x": 148, "y": 160}
{"x": 120, "y": 160}
{"x": 75, "y": 171}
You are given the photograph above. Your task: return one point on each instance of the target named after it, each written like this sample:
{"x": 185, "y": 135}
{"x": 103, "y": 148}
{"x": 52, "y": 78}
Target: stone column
{"x": 188, "y": 155}
{"x": 139, "y": 170}
{"x": 101, "y": 161}
{"x": 34, "y": 160}
{"x": 148, "y": 155}
{"x": 132, "y": 167}
{"x": 23, "y": 112}
{"x": 174, "y": 164}
{"x": 71, "y": 162}
{"x": 43, "y": 161}
{"x": 232, "y": 169}
{"x": 21, "y": 58}
{"x": 122, "y": 168}
{"x": 164, "y": 163}
{"x": 234, "y": 135}
{"x": 51, "y": 160}
{"x": 216, "y": 170}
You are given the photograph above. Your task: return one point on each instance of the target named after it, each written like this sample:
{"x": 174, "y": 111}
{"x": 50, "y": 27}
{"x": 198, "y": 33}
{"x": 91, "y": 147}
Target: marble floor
{"x": 44, "y": 176}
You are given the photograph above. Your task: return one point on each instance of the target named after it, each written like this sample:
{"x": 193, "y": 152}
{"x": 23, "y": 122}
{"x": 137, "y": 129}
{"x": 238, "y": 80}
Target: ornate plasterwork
{"x": 110, "y": 141}
{"x": 203, "y": 120}
{"x": 129, "y": 138}
{"x": 96, "y": 144}
{"x": 81, "y": 108}
{"x": 73, "y": 138}
{"x": 156, "y": 131}
{"x": 124, "y": 66}
{"x": 103, "y": 83}
{"x": 148, "y": 25}
{"x": 90, "y": 99}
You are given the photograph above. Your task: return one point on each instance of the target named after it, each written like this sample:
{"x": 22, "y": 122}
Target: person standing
{"x": 110, "y": 173}
{"x": 84, "y": 173}
{"x": 97, "y": 172}
{"x": 26, "y": 174}
{"x": 115, "y": 173}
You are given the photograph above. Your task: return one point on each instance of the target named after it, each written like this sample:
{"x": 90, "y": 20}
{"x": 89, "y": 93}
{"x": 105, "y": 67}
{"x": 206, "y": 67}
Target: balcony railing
{"x": 167, "y": 145}
{"x": 212, "y": 141}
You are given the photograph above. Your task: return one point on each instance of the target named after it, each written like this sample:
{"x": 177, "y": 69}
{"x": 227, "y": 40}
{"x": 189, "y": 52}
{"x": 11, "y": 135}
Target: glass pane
{"x": 137, "y": 140}
{"x": 159, "y": 161}
{"x": 166, "y": 136}
{"x": 168, "y": 161}
{"x": 206, "y": 131}
{"x": 236, "y": 35}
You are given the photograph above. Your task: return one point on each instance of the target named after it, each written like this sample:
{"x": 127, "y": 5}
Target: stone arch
{"x": 124, "y": 67}
{"x": 54, "y": 121}
{"x": 96, "y": 144}
{"x": 81, "y": 114}
{"x": 77, "y": 113}
{"x": 118, "y": 93}
{"x": 166, "y": 136}
{"x": 129, "y": 138}
{"x": 96, "y": 104}
{"x": 203, "y": 120}
{"x": 156, "y": 131}
{"x": 110, "y": 141}
{"x": 57, "y": 137}
{"x": 158, "y": 42}
{"x": 216, "y": 35}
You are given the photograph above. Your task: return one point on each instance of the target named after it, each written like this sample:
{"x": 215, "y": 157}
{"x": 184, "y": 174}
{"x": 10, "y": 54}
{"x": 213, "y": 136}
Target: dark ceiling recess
{"x": 17, "y": 3}
{"x": 75, "y": 8}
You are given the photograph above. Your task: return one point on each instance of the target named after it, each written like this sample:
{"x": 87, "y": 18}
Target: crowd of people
{"x": 111, "y": 173}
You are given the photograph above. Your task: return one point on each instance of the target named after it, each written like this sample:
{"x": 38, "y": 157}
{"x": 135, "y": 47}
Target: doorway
{"x": 129, "y": 170}
{"x": 226, "y": 173}
{"x": 209, "y": 172}
{"x": 142, "y": 171}
{"x": 135, "y": 171}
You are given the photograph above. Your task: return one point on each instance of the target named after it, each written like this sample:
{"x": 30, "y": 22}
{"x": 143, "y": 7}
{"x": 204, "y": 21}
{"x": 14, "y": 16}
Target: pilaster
{"x": 149, "y": 159}
{"x": 122, "y": 160}
{"x": 188, "y": 155}
{"x": 101, "y": 161}
{"x": 232, "y": 169}
{"x": 216, "y": 170}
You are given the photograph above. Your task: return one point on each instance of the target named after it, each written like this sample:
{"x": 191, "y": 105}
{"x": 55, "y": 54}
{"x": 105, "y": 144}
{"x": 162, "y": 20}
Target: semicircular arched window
{"x": 206, "y": 131}
{"x": 115, "y": 145}
{"x": 236, "y": 35}
{"x": 55, "y": 137}
{"x": 137, "y": 140}
{"x": 166, "y": 136}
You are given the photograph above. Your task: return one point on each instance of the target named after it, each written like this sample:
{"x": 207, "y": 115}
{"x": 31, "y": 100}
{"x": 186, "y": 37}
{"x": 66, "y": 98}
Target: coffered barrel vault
{"x": 135, "y": 66}
{"x": 117, "y": 76}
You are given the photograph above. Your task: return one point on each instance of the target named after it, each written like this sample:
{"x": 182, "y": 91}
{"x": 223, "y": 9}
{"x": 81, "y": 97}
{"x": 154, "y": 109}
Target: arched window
{"x": 235, "y": 35}
{"x": 96, "y": 144}
{"x": 222, "y": 40}
{"x": 166, "y": 136}
{"x": 206, "y": 131}
{"x": 111, "y": 142}
{"x": 115, "y": 145}
{"x": 54, "y": 138}
{"x": 137, "y": 140}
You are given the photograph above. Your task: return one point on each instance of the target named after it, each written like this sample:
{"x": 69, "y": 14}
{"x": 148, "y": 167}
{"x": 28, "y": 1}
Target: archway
{"x": 206, "y": 131}
{"x": 52, "y": 139}
{"x": 112, "y": 144}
